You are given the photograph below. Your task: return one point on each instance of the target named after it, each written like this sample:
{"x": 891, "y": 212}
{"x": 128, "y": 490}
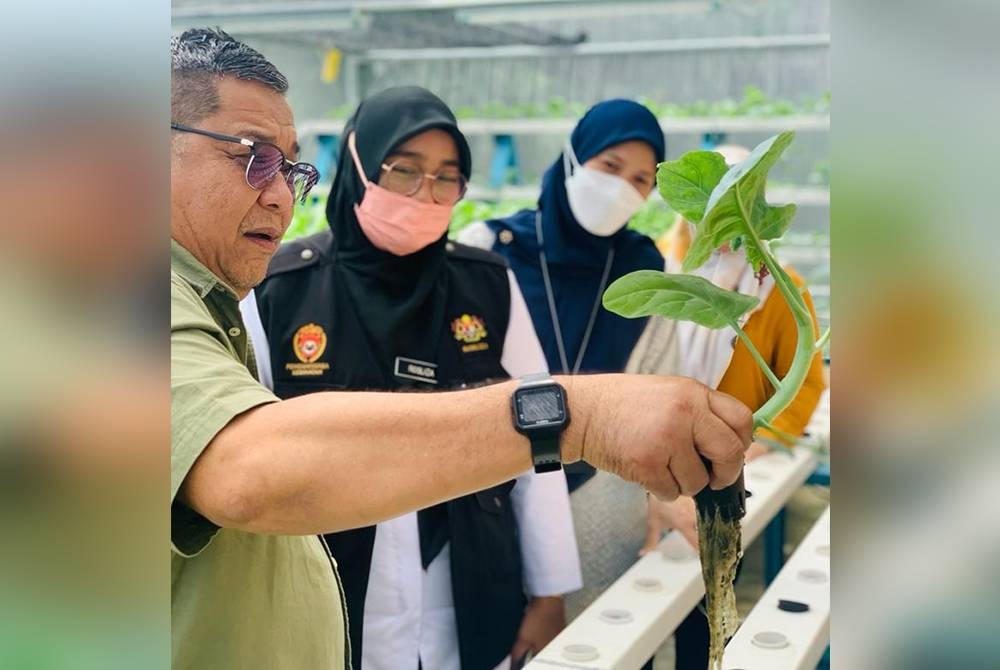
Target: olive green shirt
{"x": 238, "y": 600}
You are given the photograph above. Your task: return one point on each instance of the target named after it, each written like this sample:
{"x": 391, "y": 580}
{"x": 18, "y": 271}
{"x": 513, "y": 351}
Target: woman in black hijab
{"x": 383, "y": 300}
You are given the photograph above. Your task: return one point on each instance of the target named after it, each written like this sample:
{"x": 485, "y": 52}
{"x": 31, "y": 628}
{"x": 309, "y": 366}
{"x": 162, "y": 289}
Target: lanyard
{"x": 550, "y": 296}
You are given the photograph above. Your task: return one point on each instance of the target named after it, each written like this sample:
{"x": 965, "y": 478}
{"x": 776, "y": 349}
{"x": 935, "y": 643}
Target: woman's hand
{"x": 544, "y": 618}
{"x": 676, "y": 515}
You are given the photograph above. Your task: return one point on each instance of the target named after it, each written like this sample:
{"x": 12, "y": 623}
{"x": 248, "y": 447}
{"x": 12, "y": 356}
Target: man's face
{"x": 229, "y": 227}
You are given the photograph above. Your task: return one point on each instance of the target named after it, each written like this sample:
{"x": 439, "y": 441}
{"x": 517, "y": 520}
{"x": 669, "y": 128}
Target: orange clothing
{"x": 772, "y": 330}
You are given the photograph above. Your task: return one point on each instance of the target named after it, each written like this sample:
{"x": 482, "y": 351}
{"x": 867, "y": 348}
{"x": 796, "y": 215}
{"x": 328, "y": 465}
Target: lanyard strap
{"x": 550, "y": 296}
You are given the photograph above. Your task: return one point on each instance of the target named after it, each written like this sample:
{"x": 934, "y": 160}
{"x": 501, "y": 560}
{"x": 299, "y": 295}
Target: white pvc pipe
{"x": 627, "y": 623}
{"x": 791, "y": 640}
{"x": 680, "y": 45}
{"x": 693, "y": 125}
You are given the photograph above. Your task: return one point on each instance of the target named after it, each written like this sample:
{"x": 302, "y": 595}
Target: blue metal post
{"x": 504, "y": 168}
{"x": 824, "y": 663}
{"x": 326, "y": 161}
{"x": 774, "y": 547}
{"x": 821, "y": 476}
{"x": 711, "y": 140}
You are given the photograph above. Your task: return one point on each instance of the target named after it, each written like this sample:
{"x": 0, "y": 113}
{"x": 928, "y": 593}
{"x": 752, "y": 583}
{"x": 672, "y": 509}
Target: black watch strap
{"x": 545, "y": 453}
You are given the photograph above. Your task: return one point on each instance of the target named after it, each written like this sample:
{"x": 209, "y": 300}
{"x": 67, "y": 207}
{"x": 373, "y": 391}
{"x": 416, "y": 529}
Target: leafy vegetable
{"x": 687, "y": 184}
{"x": 734, "y": 212}
{"x": 736, "y": 207}
{"x": 755, "y": 103}
{"x": 469, "y": 211}
{"x": 654, "y": 219}
{"x": 682, "y": 297}
{"x": 727, "y": 207}
{"x": 310, "y": 218}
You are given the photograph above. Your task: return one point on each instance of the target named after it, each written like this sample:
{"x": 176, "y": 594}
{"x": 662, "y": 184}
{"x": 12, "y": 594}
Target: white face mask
{"x": 601, "y": 202}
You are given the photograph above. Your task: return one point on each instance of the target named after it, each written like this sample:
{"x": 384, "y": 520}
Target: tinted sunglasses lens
{"x": 301, "y": 179}
{"x": 264, "y": 164}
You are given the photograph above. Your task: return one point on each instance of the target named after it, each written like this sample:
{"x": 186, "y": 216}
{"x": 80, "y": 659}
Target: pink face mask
{"x": 393, "y": 222}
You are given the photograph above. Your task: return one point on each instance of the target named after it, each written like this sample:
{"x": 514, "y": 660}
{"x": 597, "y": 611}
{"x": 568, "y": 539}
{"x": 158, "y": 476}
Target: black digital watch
{"x": 540, "y": 413}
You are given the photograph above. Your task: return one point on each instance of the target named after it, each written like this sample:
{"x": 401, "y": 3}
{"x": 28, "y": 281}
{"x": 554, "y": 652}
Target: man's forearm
{"x": 331, "y": 461}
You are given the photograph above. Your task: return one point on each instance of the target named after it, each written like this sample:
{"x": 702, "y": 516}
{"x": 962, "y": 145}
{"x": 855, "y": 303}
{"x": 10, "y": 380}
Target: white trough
{"x": 627, "y": 623}
{"x": 775, "y": 639}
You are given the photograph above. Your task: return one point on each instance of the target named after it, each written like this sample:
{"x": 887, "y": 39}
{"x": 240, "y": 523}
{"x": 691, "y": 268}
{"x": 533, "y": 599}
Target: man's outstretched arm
{"x": 331, "y": 461}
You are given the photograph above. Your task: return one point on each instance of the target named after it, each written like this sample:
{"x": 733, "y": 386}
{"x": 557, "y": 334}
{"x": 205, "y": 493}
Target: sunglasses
{"x": 266, "y": 161}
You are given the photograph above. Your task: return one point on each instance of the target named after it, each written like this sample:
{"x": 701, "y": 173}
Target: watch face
{"x": 540, "y": 407}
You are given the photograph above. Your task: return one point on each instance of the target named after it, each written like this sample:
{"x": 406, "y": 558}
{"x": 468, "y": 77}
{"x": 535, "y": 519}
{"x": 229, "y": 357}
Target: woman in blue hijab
{"x": 564, "y": 254}
{"x": 576, "y": 243}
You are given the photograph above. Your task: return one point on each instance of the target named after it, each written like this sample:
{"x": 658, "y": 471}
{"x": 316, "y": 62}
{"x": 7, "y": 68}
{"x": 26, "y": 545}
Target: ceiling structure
{"x": 360, "y": 25}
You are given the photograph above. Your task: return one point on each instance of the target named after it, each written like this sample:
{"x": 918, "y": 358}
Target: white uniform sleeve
{"x": 477, "y": 234}
{"x": 541, "y": 501}
{"x": 522, "y": 352}
{"x": 258, "y": 340}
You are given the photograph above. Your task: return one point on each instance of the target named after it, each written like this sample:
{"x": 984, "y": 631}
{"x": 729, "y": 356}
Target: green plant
{"x": 310, "y": 218}
{"x": 470, "y": 211}
{"x": 728, "y": 207}
{"x": 654, "y": 219}
{"x": 754, "y": 103}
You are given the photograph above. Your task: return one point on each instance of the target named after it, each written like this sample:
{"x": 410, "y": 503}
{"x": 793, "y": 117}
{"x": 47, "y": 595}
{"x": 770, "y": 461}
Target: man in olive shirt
{"x": 248, "y": 600}
{"x": 254, "y": 479}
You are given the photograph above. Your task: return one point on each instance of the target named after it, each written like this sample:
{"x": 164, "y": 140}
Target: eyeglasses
{"x": 266, "y": 161}
{"x": 406, "y": 178}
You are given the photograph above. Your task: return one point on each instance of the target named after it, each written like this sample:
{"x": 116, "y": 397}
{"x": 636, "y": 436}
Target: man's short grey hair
{"x": 199, "y": 57}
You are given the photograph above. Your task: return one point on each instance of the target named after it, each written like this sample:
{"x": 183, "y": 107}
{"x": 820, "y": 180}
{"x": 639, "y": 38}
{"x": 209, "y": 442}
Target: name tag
{"x": 421, "y": 371}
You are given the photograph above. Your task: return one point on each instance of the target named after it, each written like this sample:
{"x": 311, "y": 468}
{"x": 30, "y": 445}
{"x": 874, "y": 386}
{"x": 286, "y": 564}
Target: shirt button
{"x": 496, "y": 501}
{"x": 234, "y": 332}
{"x": 306, "y": 254}
{"x": 506, "y": 237}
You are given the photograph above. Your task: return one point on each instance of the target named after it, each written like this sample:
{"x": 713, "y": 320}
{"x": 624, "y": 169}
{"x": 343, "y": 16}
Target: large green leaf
{"x": 748, "y": 177}
{"x": 687, "y": 183}
{"x": 772, "y": 222}
{"x": 680, "y": 297}
{"x": 736, "y": 196}
{"x": 726, "y": 229}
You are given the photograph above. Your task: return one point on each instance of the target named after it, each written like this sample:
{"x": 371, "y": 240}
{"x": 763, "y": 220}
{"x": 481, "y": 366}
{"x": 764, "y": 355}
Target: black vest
{"x": 296, "y": 308}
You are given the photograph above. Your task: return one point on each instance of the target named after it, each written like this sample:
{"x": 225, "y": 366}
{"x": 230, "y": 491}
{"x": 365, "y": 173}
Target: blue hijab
{"x": 576, "y": 258}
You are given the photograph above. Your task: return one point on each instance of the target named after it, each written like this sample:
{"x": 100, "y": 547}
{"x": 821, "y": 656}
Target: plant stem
{"x": 821, "y": 342}
{"x": 768, "y": 372}
{"x": 804, "y": 351}
{"x": 791, "y": 439}
{"x": 775, "y": 444}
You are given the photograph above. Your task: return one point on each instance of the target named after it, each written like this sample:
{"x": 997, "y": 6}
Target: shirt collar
{"x": 194, "y": 273}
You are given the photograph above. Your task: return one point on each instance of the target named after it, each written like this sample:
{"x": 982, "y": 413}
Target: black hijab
{"x": 399, "y": 301}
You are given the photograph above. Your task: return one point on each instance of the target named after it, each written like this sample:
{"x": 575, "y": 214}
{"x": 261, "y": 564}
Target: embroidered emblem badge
{"x": 308, "y": 344}
{"x": 470, "y": 330}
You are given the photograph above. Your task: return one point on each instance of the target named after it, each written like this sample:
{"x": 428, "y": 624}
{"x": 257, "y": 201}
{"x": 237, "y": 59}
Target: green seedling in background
{"x": 727, "y": 206}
